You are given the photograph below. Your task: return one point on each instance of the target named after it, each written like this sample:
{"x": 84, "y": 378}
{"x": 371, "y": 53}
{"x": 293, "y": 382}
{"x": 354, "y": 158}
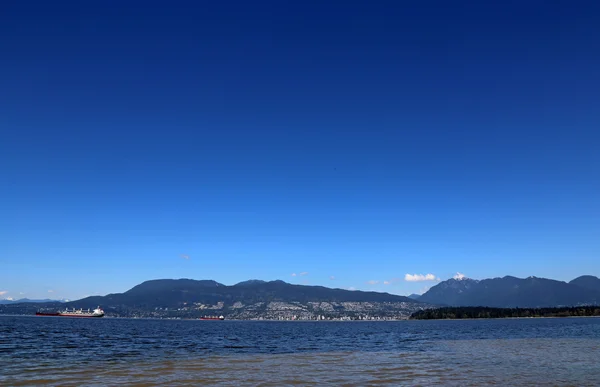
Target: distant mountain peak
{"x": 458, "y": 283}
{"x": 591, "y": 277}
{"x": 11, "y": 300}
{"x": 460, "y": 276}
{"x": 250, "y": 282}
{"x": 587, "y": 282}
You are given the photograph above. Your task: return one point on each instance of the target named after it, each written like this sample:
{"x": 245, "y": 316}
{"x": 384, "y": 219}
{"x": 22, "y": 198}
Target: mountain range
{"x": 170, "y": 293}
{"x": 513, "y": 292}
{"x": 21, "y": 300}
{"x": 251, "y": 299}
{"x": 256, "y": 299}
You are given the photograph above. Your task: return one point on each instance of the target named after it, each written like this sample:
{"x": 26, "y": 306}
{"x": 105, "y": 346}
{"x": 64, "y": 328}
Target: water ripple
{"x": 56, "y": 351}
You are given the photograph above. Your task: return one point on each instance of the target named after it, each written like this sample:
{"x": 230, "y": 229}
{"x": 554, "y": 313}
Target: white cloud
{"x": 293, "y": 274}
{"x": 50, "y": 291}
{"x": 184, "y": 256}
{"x": 331, "y": 277}
{"x": 386, "y": 282}
{"x": 372, "y": 282}
{"x": 420, "y": 277}
{"x": 351, "y": 288}
{"x": 9, "y": 298}
{"x": 3, "y": 292}
{"x": 459, "y": 276}
{"x": 304, "y": 273}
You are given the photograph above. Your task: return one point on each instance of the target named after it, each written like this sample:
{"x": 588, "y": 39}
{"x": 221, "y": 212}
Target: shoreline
{"x": 316, "y": 321}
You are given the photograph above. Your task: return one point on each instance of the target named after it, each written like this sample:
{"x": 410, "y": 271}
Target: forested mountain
{"x": 511, "y": 292}
{"x": 248, "y": 299}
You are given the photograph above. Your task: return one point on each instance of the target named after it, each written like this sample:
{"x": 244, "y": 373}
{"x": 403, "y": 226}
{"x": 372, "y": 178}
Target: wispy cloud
{"x": 293, "y": 274}
{"x": 10, "y": 299}
{"x": 3, "y": 292}
{"x": 50, "y": 291}
{"x": 424, "y": 290}
{"x": 459, "y": 276}
{"x": 331, "y": 277}
{"x": 392, "y": 281}
{"x": 420, "y": 277}
{"x": 351, "y": 288}
{"x": 372, "y": 282}
{"x": 386, "y": 282}
{"x": 304, "y": 273}
{"x": 185, "y": 256}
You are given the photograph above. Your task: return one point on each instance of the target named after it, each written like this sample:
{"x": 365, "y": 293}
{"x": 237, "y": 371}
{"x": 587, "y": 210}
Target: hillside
{"x": 511, "y": 292}
{"x": 246, "y": 300}
{"x": 22, "y": 300}
{"x": 587, "y": 282}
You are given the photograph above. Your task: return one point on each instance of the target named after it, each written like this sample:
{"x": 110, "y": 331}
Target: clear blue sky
{"x": 360, "y": 140}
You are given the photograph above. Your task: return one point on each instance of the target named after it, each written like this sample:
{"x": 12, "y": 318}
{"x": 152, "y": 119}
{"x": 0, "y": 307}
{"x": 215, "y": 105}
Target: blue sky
{"x": 352, "y": 140}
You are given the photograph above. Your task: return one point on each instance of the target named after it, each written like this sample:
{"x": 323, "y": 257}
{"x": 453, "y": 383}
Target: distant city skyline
{"x": 374, "y": 146}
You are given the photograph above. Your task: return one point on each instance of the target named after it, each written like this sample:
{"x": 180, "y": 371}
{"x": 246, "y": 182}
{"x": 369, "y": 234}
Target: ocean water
{"x": 72, "y": 352}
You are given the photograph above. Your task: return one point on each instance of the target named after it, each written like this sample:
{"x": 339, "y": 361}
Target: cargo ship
{"x": 73, "y": 313}
{"x": 212, "y": 318}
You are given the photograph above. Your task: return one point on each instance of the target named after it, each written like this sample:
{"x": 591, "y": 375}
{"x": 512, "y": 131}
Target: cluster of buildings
{"x": 279, "y": 311}
{"x": 317, "y": 311}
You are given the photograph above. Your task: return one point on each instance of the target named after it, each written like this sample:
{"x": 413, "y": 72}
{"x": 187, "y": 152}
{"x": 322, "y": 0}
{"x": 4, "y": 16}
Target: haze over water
{"x": 61, "y": 351}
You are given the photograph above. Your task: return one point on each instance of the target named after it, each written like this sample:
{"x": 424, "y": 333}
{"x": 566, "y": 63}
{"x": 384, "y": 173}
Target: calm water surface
{"x": 63, "y": 351}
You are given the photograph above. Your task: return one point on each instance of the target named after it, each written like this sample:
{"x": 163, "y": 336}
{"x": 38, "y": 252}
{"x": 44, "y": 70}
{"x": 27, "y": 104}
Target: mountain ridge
{"x": 511, "y": 292}
{"x": 27, "y": 300}
{"x": 252, "y": 299}
{"x": 257, "y": 298}
{"x": 587, "y": 281}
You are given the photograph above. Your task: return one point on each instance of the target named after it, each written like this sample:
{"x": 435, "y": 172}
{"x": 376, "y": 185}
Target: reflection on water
{"x": 514, "y": 352}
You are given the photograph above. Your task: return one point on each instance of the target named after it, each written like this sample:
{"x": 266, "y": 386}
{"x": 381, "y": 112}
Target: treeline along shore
{"x": 468, "y": 312}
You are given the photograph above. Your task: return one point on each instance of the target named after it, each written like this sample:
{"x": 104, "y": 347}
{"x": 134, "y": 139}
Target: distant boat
{"x": 73, "y": 313}
{"x": 212, "y": 318}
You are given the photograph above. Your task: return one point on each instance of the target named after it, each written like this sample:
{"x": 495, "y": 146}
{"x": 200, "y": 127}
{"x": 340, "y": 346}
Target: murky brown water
{"x": 403, "y": 353}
